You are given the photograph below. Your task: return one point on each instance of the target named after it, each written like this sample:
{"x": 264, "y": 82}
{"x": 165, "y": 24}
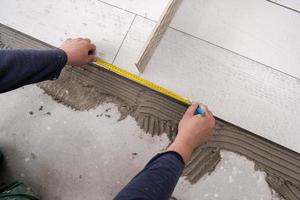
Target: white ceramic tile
{"x": 54, "y": 21}
{"x": 257, "y": 29}
{"x": 149, "y": 9}
{"x": 133, "y": 44}
{"x": 236, "y": 89}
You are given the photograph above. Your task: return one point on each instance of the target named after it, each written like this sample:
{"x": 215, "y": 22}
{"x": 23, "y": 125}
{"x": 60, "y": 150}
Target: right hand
{"x": 193, "y": 131}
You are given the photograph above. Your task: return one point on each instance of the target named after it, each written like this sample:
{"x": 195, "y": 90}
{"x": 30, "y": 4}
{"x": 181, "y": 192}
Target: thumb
{"x": 191, "y": 110}
{"x": 92, "y": 58}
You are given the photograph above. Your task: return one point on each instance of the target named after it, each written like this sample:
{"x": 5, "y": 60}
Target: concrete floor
{"x": 65, "y": 154}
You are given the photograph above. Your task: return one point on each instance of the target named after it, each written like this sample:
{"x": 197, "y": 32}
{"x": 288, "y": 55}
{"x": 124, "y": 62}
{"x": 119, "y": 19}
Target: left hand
{"x": 79, "y": 51}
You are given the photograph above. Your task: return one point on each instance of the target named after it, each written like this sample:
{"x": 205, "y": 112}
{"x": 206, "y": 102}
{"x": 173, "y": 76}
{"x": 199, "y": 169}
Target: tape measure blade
{"x": 141, "y": 81}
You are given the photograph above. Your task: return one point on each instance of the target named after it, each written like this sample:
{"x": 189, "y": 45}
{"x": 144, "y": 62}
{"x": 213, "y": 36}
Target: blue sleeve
{"x": 157, "y": 180}
{"x": 19, "y": 67}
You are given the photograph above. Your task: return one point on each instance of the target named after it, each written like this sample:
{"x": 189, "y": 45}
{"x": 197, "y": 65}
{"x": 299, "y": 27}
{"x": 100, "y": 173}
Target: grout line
{"x": 124, "y": 39}
{"x": 136, "y": 14}
{"x": 188, "y": 34}
{"x": 281, "y": 5}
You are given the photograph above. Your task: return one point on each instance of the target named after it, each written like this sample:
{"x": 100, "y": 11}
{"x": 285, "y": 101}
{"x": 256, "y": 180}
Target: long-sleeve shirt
{"x": 22, "y": 67}
{"x": 157, "y": 180}
{"x": 19, "y": 67}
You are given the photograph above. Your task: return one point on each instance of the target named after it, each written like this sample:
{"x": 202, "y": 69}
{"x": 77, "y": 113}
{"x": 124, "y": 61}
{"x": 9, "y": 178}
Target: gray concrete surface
{"x": 65, "y": 154}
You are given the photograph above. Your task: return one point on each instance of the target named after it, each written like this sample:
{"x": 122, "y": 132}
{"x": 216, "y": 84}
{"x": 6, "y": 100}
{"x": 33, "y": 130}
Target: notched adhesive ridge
{"x": 85, "y": 88}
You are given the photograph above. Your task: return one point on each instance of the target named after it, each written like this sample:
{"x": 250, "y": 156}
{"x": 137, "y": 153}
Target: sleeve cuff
{"x": 62, "y": 59}
{"x": 179, "y": 157}
{"x": 173, "y": 153}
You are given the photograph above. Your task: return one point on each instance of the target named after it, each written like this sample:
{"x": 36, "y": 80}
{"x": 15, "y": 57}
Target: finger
{"x": 204, "y": 107}
{"x": 191, "y": 110}
{"x": 92, "y": 48}
{"x": 213, "y": 122}
{"x": 91, "y": 58}
{"x": 211, "y": 117}
{"x": 87, "y": 39}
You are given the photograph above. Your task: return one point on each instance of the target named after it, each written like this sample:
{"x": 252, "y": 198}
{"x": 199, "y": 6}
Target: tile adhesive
{"x": 87, "y": 87}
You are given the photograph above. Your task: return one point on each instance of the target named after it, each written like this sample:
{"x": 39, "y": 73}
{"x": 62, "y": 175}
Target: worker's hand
{"x": 193, "y": 131}
{"x": 79, "y": 51}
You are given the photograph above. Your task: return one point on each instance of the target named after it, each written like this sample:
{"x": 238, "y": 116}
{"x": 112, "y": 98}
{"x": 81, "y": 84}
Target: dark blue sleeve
{"x": 19, "y": 67}
{"x": 156, "y": 181}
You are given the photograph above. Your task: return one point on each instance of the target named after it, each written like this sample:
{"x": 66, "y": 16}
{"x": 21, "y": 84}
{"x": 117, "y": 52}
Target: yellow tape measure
{"x": 141, "y": 81}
